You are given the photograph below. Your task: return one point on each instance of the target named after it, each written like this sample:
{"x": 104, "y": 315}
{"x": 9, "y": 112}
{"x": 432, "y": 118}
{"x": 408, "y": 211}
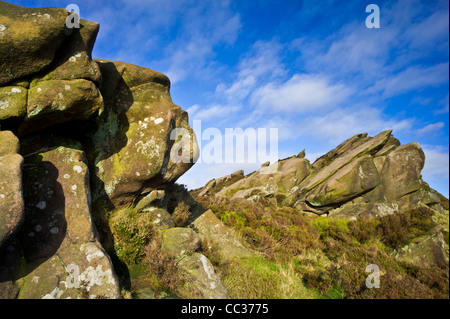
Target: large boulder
{"x": 13, "y": 102}
{"x": 212, "y": 230}
{"x": 350, "y": 181}
{"x": 29, "y": 39}
{"x": 77, "y": 271}
{"x": 58, "y": 231}
{"x": 202, "y": 278}
{"x": 57, "y": 197}
{"x": 179, "y": 240}
{"x": 11, "y": 199}
{"x": 401, "y": 171}
{"x": 425, "y": 251}
{"x": 338, "y": 176}
{"x": 342, "y": 148}
{"x": 68, "y": 90}
{"x": 58, "y": 101}
{"x": 363, "y": 177}
{"x": 134, "y": 146}
{"x": 81, "y": 123}
{"x": 367, "y": 147}
{"x": 293, "y": 172}
{"x": 280, "y": 177}
{"x": 73, "y": 60}
{"x": 363, "y": 210}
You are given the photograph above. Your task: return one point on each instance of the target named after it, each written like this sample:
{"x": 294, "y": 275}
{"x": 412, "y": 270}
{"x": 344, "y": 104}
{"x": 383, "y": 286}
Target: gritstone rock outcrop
{"x": 78, "y": 137}
{"x": 363, "y": 177}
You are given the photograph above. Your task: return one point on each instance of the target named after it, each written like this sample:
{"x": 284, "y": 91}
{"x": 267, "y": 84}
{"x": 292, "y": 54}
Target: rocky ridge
{"x": 363, "y": 177}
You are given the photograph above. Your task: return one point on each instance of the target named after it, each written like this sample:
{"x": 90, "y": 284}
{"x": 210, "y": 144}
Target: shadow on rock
{"x": 45, "y": 224}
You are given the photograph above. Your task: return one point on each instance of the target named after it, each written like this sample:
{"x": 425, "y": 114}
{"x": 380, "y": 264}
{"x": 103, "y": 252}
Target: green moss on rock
{"x": 13, "y": 102}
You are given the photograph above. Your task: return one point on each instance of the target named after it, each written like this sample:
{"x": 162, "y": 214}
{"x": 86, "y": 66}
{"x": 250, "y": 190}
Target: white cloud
{"x": 302, "y": 93}
{"x": 342, "y": 123}
{"x": 365, "y": 56}
{"x": 192, "y": 57}
{"x": 430, "y": 128}
{"x": 413, "y": 78}
{"x": 177, "y": 37}
{"x": 263, "y": 59}
{"x": 260, "y": 64}
{"x": 354, "y": 50}
{"x": 212, "y": 113}
{"x": 436, "y": 163}
{"x": 431, "y": 30}
{"x": 238, "y": 90}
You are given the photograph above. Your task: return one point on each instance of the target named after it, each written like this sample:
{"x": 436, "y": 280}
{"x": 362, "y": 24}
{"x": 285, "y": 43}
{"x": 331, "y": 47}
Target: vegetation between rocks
{"x": 138, "y": 258}
{"x": 298, "y": 255}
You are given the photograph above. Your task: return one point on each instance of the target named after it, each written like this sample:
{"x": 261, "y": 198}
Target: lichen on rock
{"x": 75, "y": 124}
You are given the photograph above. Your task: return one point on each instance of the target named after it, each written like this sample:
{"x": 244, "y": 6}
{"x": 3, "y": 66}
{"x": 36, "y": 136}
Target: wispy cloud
{"x": 204, "y": 26}
{"x": 197, "y": 112}
{"x": 413, "y": 78}
{"x": 430, "y": 128}
{"x": 342, "y": 123}
{"x": 261, "y": 64}
{"x": 302, "y": 93}
{"x": 436, "y": 163}
{"x": 443, "y": 106}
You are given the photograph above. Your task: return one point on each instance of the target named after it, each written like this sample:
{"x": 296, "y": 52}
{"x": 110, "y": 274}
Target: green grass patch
{"x": 258, "y": 278}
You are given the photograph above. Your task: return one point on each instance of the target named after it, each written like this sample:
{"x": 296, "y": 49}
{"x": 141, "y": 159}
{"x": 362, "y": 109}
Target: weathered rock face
{"x": 79, "y": 136}
{"x": 76, "y": 271}
{"x": 348, "y": 182}
{"x": 344, "y": 156}
{"x": 362, "y": 177}
{"x": 178, "y": 240}
{"x": 428, "y": 250}
{"x": 11, "y": 200}
{"x": 401, "y": 171}
{"x": 211, "y": 230}
{"x": 58, "y": 233}
{"x": 29, "y": 39}
{"x": 58, "y": 101}
{"x": 202, "y": 276}
{"x": 132, "y": 147}
{"x": 57, "y": 198}
{"x": 13, "y": 102}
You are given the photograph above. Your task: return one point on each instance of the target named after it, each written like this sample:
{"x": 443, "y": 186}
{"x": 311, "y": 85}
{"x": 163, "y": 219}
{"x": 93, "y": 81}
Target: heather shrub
{"x": 180, "y": 214}
{"x": 131, "y": 231}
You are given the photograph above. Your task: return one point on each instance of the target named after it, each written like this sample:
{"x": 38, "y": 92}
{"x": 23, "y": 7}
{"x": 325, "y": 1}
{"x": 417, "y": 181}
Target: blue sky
{"x": 310, "y": 68}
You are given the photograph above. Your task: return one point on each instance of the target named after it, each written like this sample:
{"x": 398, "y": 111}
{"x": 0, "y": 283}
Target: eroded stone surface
{"x": 132, "y": 146}
{"x": 11, "y": 199}
{"x": 202, "y": 276}
{"x": 211, "y": 229}
{"x": 29, "y": 39}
